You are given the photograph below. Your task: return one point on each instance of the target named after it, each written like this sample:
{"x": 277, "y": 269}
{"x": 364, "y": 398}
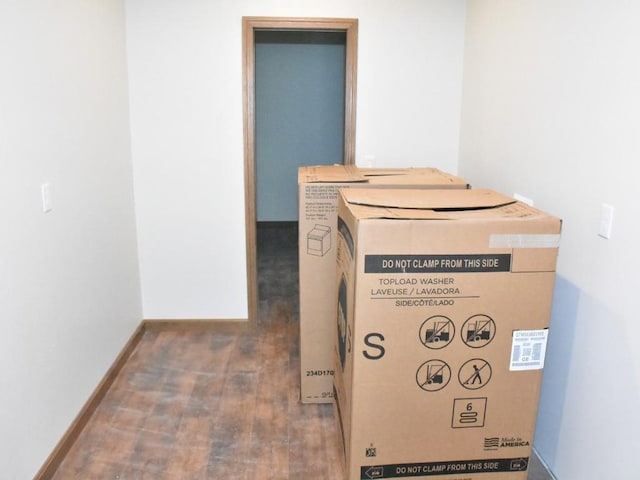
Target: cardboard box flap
{"x": 411, "y": 202}
{"x": 370, "y": 212}
{"x": 382, "y": 176}
{"x": 330, "y": 174}
{"x": 376, "y": 172}
{"x": 413, "y": 176}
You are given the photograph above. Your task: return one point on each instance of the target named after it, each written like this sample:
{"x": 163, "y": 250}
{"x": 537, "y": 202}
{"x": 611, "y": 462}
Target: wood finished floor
{"x": 221, "y": 404}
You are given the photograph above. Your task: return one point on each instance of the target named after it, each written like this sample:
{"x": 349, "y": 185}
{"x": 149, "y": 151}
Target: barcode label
{"x": 528, "y": 348}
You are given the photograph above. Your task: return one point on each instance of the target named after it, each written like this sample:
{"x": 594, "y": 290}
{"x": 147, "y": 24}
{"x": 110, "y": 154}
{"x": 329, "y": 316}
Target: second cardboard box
{"x": 318, "y": 200}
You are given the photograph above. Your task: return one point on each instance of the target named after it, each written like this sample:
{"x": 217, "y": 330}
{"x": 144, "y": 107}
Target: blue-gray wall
{"x": 299, "y": 113}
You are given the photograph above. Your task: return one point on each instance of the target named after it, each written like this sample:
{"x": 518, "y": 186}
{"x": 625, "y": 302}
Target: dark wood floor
{"x": 218, "y": 404}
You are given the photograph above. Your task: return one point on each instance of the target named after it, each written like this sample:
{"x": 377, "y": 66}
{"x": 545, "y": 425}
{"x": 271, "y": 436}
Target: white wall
{"x": 185, "y": 66}
{"x": 551, "y": 108}
{"x": 69, "y": 286}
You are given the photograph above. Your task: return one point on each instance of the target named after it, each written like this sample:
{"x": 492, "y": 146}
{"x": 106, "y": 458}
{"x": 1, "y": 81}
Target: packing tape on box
{"x": 524, "y": 241}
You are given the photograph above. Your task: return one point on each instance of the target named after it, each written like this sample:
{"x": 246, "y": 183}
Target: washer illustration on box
{"x": 319, "y": 240}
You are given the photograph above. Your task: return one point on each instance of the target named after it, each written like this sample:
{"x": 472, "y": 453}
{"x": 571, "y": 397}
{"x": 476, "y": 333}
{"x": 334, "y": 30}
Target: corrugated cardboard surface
{"x": 441, "y": 329}
{"x": 318, "y": 194}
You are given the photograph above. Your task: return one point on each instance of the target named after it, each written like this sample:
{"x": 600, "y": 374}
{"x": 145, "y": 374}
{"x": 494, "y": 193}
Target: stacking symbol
{"x": 469, "y": 413}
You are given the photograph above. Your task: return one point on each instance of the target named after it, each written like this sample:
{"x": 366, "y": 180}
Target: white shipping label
{"x": 528, "y": 348}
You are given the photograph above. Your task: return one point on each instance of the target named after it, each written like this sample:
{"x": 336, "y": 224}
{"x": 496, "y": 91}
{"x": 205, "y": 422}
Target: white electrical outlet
{"x": 368, "y": 161}
{"x": 45, "y": 189}
{"x": 606, "y": 221}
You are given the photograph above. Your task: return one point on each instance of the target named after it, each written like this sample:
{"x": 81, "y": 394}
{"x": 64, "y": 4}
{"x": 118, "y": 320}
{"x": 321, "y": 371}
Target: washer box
{"x": 443, "y": 306}
{"x": 318, "y": 201}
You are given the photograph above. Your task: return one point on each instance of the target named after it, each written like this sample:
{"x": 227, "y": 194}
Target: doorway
{"x": 255, "y": 31}
{"x": 299, "y": 117}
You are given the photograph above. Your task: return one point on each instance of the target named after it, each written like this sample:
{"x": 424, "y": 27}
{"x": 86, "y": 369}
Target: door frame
{"x": 249, "y": 26}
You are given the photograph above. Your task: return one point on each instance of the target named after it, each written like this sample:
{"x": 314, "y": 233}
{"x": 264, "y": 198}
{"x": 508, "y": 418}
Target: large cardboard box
{"x": 443, "y": 305}
{"x": 318, "y": 200}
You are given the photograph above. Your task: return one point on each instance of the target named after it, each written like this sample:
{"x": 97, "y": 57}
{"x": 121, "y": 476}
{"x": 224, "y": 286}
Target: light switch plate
{"x": 606, "y": 221}
{"x": 45, "y": 188}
